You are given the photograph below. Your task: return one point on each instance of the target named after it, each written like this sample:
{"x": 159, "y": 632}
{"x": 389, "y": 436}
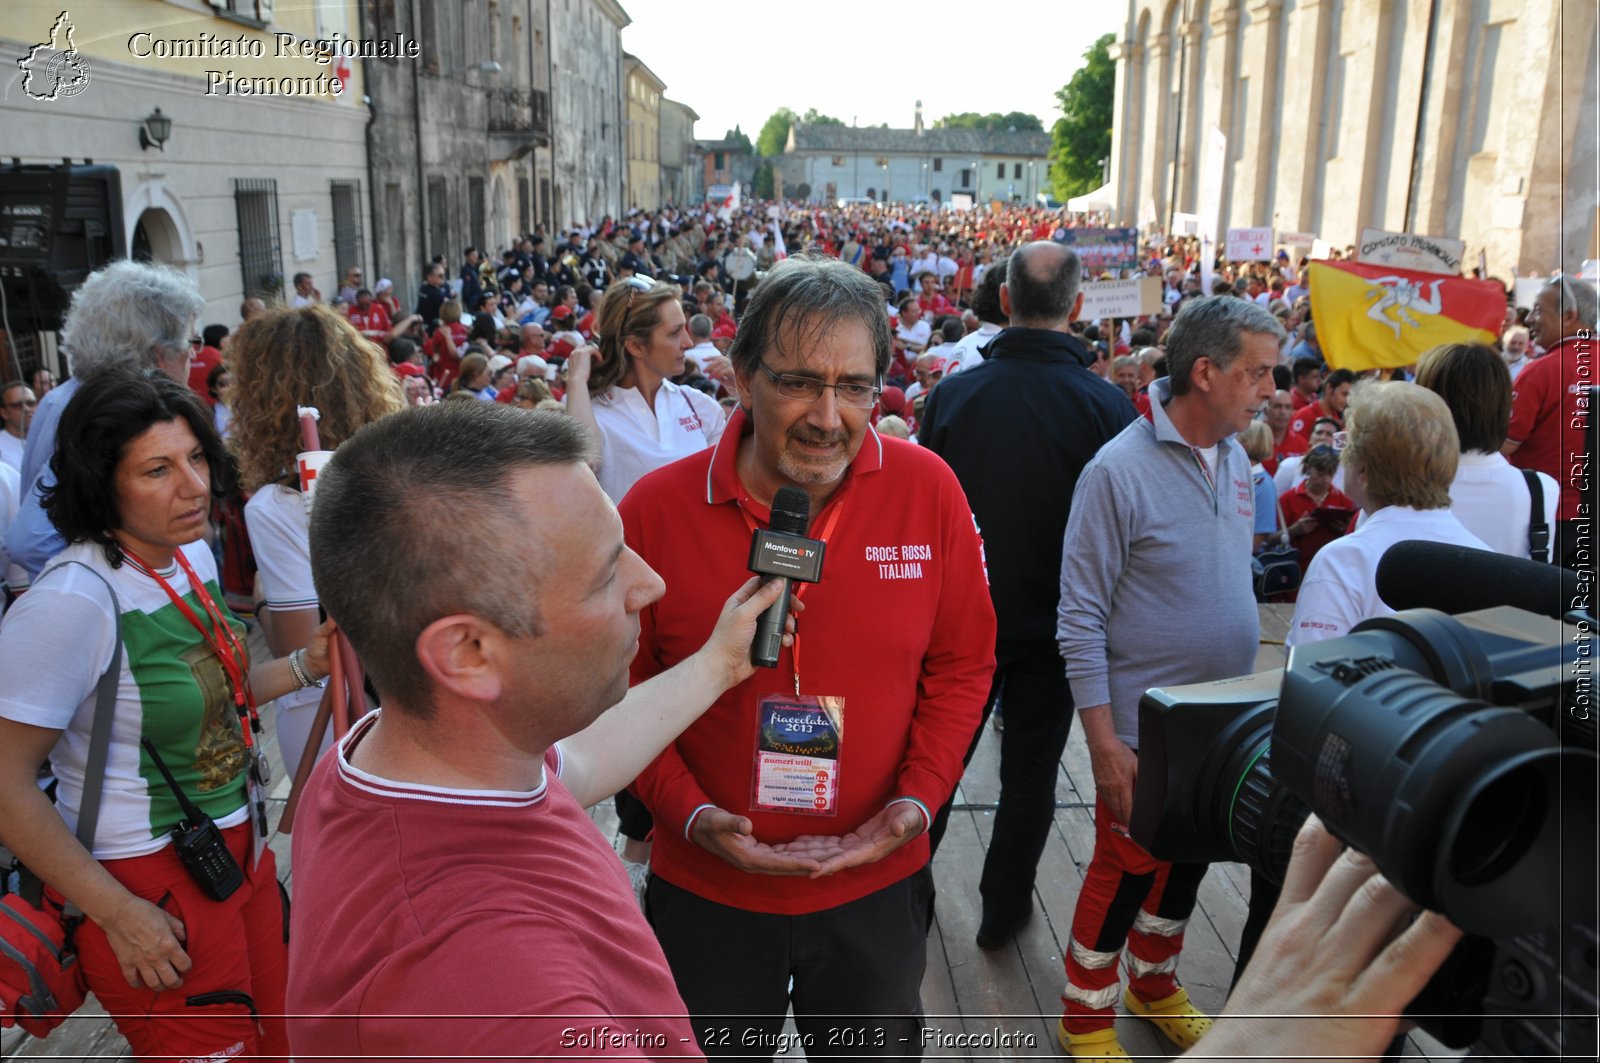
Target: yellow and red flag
{"x": 1379, "y": 317}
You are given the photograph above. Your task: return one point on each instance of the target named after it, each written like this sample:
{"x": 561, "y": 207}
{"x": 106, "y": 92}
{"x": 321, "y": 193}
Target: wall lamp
{"x": 154, "y": 131}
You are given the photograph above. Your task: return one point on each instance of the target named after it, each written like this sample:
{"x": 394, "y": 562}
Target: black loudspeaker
{"x": 58, "y": 224}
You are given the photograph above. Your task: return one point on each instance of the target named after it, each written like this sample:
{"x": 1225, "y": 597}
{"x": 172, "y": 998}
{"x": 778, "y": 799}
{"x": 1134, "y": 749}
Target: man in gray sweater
{"x": 1156, "y": 591}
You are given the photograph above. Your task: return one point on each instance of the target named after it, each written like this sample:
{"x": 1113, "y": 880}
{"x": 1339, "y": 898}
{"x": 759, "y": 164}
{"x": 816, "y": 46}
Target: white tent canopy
{"x": 1098, "y": 200}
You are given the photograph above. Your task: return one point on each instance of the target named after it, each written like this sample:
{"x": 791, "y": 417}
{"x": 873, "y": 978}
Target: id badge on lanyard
{"x": 799, "y": 738}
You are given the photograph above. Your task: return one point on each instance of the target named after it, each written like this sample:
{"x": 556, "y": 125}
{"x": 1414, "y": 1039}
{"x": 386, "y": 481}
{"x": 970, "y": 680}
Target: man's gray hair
{"x": 802, "y": 299}
{"x": 130, "y": 313}
{"x": 1042, "y": 280}
{"x": 1214, "y": 328}
{"x": 1577, "y": 295}
{"x": 700, "y": 328}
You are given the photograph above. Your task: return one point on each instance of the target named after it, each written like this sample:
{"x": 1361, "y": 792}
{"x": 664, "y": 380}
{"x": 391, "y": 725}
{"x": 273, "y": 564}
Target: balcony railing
{"x": 519, "y": 110}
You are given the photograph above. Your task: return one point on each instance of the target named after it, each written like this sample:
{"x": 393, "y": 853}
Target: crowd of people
{"x": 534, "y": 530}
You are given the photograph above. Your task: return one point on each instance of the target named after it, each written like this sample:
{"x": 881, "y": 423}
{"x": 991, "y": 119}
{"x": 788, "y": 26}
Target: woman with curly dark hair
{"x": 280, "y": 361}
{"x": 191, "y": 965}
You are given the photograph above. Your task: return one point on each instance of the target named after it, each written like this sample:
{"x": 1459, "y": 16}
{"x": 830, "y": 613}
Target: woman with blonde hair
{"x": 474, "y": 377}
{"x": 282, "y": 360}
{"x": 622, "y": 386}
{"x": 1401, "y": 457}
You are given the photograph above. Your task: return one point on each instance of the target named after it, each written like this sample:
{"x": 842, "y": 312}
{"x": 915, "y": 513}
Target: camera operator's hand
{"x": 1339, "y": 958}
{"x": 1115, "y": 765}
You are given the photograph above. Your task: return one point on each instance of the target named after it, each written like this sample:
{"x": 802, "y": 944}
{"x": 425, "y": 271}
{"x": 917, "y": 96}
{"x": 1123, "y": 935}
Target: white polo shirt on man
{"x": 636, "y": 439}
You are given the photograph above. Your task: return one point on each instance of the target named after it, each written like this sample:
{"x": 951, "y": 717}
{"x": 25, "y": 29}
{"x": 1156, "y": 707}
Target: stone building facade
{"x": 680, "y": 159}
{"x": 1468, "y": 119}
{"x": 643, "y": 133}
{"x": 460, "y": 137}
{"x": 588, "y": 93}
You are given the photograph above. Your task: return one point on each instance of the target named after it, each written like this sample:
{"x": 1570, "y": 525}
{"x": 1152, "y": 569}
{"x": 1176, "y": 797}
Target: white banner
{"x": 1127, "y": 298}
{"x": 1185, "y": 224}
{"x": 1300, "y": 240}
{"x": 1430, "y": 254}
{"x": 1249, "y": 245}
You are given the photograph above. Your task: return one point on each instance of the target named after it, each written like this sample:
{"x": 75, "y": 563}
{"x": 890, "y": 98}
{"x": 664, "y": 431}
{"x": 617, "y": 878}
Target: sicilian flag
{"x": 780, "y": 250}
{"x": 1379, "y": 317}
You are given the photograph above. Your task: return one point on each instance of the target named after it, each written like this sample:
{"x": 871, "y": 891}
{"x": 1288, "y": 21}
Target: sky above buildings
{"x": 855, "y": 59}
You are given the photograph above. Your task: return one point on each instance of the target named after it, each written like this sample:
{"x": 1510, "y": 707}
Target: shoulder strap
{"x": 1538, "y": 530}
{"x": 105, "y": 701}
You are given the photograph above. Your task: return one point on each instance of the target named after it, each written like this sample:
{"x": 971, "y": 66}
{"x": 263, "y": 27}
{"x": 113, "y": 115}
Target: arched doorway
{"x": 156, "y": 239}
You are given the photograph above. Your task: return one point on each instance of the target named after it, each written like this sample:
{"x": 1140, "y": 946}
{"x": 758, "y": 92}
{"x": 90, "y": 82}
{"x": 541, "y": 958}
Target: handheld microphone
{"x": 782, "y": 551}
{"x": 1418, "y": 574}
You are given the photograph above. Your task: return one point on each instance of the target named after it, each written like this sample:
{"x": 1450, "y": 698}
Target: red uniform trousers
{"x": 1128, "y": 897}
{"x": 232, "y": 999}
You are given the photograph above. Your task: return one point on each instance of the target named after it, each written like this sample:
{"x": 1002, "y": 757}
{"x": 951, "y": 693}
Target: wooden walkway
{"x": 969, "y": 995}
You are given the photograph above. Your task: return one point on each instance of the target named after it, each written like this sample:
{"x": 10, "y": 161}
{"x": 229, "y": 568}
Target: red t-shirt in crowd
{"x": 374, "y": 324}
{"x": 1308, "y": 415}
{"x": 1548, "y": 421}
{"x": 1297, "y": 503}
{"x": 432, "y": 923}
{"x": 446, "y": 365}
{"x": 201, "y": 363}
{"x": 1290, "y": 445}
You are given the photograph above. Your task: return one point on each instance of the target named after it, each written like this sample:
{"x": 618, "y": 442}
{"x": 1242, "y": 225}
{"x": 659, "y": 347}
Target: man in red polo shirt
{"x": 799, "y": 876}
{"x": 1335, "y": 397}
{"x": 1552, "y": 406}
{"x": 370, "y": 318}
{"x": 1280, "y": 412}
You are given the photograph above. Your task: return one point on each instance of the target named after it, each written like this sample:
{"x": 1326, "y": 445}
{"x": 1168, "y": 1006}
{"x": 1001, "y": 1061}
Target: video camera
{"x": 1459, "y": 753}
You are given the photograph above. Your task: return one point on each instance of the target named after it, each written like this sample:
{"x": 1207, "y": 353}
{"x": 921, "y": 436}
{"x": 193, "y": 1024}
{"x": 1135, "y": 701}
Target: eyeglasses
{"x": 855, "y": 396}
{"x": 22, "y": 404}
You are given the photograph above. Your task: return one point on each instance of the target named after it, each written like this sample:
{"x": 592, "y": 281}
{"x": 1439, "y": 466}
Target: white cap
{"x": 497, "y": 363}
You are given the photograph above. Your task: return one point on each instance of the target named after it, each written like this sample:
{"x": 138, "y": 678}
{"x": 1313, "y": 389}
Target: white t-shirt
{"x": 917, "y": 335}
{"x": 967, "y": 347}
{"x": 10, "y": 497}
{"x": 1340, "y": 588}
{"x": 10, "y": 450}
{"x": 280, "y": 538}
{"x": 700, "y": 353}
{"x": 1490, "y": 498}
{"x": 54, "y": 645}
{"x": 636, "y": 439}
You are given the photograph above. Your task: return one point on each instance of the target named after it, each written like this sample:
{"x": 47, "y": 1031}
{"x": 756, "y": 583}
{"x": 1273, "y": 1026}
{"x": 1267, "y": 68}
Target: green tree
{"x": 993, "y": 121}
{"x": 775, "y": 133}
{"x": 764, "y": 186}
{"x": 811, "y": 117}
{"x": 737, "y": 136}
{"x": 1082, "y": 135}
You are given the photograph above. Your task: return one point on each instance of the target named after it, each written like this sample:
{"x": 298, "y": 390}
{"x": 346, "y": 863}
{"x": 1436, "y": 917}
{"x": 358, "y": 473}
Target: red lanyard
{"x": 800, "y": 590}
{"x": 220, "y": 638}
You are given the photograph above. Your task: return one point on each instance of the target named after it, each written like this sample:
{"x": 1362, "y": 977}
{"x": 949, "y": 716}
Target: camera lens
{"x": 1505, "y": 818}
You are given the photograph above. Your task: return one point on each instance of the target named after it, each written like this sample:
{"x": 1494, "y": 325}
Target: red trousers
{"x": 232, "y": 1000}
{"x": 1131, "y": 899}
